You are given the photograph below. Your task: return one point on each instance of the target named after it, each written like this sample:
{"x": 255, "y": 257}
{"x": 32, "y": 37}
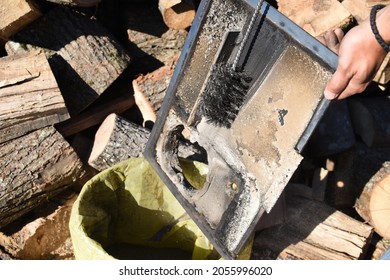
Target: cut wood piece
{"x": 34, "y": 168}
{"x": 177, "y": 14}
{"x": 153, "y": 86}
{"x": 144, "y": 105}
{"x": 15, "y": 15}
{"x": 358, "y": 8}
{"x": 382, "y": 77}
{"x": 45, "y": 236}
{"x": 79, "y": 3}
{"x": 373, "y": 205}
{"x": 371, "y": 3}
{"x": 29, "y": 95}
{"x": 369, "y": 118}
{"x": 313, "y": 231}
{"x": 316, "y": 17}
{"x": 380, "y": 248}
{"x": 118, "y": 139}
{"x": 95, "y": 115}
{"x": 84, "y": 56}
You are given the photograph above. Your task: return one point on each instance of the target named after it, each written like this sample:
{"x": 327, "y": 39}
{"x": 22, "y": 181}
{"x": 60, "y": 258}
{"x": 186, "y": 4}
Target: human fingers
{"x": 337, "y": 84}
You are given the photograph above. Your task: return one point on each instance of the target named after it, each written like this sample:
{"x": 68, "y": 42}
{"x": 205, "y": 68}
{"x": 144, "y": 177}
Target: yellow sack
{"x": 126, "y": 212}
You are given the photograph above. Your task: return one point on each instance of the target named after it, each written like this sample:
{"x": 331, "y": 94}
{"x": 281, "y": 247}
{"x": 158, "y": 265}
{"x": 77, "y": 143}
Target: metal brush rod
{"x": 246, "y": 36}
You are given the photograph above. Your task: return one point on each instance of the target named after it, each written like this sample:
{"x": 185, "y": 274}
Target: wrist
{"x": 383, "y": 22}
{"x": 378, "y": 22}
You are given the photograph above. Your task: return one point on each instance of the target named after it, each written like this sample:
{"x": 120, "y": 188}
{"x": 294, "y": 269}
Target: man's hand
{"x": 360, "y": 57}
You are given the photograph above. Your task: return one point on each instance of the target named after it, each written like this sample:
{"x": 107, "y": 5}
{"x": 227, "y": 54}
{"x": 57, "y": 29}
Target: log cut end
{"x": 380, "y": 207}
{"x": 178, "y": 16}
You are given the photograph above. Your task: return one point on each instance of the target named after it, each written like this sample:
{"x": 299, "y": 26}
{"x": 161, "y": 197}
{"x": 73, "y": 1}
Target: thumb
{"x": 336, "y": 85}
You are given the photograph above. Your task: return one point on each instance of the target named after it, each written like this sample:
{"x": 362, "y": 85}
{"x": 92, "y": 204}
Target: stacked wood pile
{"x": 81, "y": 82}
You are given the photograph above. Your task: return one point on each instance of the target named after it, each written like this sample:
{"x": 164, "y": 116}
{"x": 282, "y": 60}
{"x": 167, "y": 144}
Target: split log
{"x": 29, "y": 95}
{"x": 118, "y": 139}
{"x": 373, "y": 205}
{"x": 84, "y": 56}
{"x": 15, "y": 15}
{"x": 316, "y": 17}
{"x": 370, "y": 119}
{"x": 79, "y": 3}
{"x": 45, "y": 235}
{"x": 177, "y": 14}
{"x": 313, "y": 231}
{"x": 95, "y": 115}
{"x": 34, "y": 168}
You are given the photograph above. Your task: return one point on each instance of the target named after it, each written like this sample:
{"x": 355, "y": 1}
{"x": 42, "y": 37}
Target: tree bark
{"x": 313, "y": 231}
{"x": 177, "y": 14}
{"x": 373, "y": 205}
{"x": 29, "y": 95}
{"x": 34, "y": 168}
{"x": 15, "y": 15}
{"x": 84, "y": 56}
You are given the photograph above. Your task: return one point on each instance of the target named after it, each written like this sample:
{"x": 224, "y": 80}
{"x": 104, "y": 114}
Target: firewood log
{"x": 34, "y": 168}
{"x": 177, "y": 14}
{"x": 15, "y": 15}
{"x": 118, "y": 139}
{"x": 79, "y": 3}
{"x": 373, "y": 205}
{"x": 84, "y": 56}
{"x": 358, "y": 8}
{"x": 29, "y": 95}
{"x": 313, "y": 231}
{"x": 316, "y": 17}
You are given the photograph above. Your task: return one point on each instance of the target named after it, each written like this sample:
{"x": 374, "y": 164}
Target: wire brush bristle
{"x": 224, "y": 95}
